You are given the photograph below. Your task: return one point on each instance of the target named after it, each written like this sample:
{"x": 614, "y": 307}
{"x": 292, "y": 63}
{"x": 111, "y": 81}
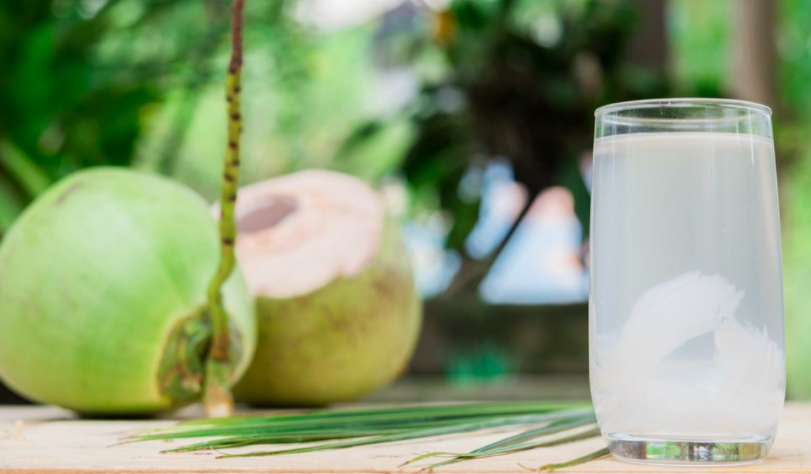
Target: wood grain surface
{"x": 51, "y": 440}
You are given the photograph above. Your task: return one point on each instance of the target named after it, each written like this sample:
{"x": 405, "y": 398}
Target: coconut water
{"x": 686, "y": 307}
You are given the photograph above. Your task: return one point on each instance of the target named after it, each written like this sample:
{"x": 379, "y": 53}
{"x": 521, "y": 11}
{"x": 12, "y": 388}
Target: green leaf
{"x": 600, "y": 453}
{"x": 413, "y": 434}
{"x": 331, "y": 419}
{"x": 10, "y": 206}
{"x": 340, "y": 429}
{"x": 522, "y": 441}
{"x": 24, "y": 171}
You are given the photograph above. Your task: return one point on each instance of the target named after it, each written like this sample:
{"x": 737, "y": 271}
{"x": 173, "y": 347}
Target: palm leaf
{"x": 600, "y": 453}
{"x": 545, "y": 424}
{"x": 459, "y": 457}
{"x": 355, "y": 417}
{"x": 23, "y": 170}
{"x": 521, "y": 441}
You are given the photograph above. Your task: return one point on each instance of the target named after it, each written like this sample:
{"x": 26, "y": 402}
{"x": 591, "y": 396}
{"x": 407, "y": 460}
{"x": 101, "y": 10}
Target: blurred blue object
{"x": 540, "y": 265}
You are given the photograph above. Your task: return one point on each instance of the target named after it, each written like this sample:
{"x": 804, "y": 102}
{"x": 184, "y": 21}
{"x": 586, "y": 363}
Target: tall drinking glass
{"x": 686, "y": 305}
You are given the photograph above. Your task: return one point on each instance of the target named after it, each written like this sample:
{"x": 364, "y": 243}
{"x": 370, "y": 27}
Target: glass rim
{"x": 683, "y": 102}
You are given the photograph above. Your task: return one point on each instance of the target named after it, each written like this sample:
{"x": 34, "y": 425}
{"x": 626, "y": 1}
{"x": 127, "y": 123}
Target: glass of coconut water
{"x": 686, "y": 304}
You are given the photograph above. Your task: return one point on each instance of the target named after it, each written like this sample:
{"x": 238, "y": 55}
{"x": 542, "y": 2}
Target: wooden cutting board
{"x": 51, "y": 440}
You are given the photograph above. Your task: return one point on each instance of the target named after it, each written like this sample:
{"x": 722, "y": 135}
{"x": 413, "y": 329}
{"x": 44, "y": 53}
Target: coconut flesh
{"x": 338, "y": 313}
{"x": 102, "y": 290}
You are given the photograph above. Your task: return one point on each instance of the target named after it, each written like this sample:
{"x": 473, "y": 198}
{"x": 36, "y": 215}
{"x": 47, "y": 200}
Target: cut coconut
{"x": 299, "y": 232}
{"x": 337, "y": 308}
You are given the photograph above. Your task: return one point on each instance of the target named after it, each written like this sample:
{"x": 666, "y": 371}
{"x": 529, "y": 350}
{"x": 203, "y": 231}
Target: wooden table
{"x": 50, "y": 440}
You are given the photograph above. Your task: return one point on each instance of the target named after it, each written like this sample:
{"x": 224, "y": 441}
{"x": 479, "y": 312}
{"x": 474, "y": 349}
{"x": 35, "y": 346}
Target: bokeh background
{"x": 474, "y": 118}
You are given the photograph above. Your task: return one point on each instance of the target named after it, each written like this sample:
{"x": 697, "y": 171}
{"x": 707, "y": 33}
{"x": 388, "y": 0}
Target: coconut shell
{"x": 344, "y": 336}
{"x": 102, "y": 282}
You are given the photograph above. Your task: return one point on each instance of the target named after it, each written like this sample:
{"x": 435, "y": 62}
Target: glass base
{"x": 704, "y": 452}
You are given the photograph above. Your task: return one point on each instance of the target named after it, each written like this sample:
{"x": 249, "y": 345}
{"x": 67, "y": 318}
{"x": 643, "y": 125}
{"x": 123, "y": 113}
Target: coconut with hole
{"x": 338, "y": 312}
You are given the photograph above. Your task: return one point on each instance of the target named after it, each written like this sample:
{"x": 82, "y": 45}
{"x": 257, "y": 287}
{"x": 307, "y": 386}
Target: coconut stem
{"x": 217, "y": 395}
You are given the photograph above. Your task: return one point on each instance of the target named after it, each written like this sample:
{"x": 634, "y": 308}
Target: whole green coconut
{"x": 338, "y": 312}
{"x": 102, "y": 284}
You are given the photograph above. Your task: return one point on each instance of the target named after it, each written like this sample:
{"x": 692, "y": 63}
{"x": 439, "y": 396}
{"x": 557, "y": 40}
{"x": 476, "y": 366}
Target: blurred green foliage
{"x": 78, "y": 82}
{"x": 59, "y": 110}
{"x": 91, "y": 82}
{"x": 138, "y": 83}
{"x": 304, "y": 94}
{"x": 513, "y": 79}
{"x": 701, "y": 43}
{"x": 794, "y": 153}
{"x": 700, "y": 34}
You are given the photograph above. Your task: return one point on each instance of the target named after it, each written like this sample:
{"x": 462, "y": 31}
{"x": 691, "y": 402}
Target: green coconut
{"x": 338, "y": 312}
{"x": 102, "y": 288}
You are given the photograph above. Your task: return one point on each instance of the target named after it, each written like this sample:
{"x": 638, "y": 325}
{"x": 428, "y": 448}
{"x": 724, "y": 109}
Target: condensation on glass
{"x": 686, "y": 303}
